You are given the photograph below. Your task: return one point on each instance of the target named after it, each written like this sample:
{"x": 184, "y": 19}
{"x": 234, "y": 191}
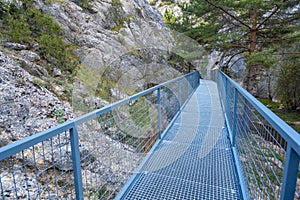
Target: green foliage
{"x": 135, "y": 52}
{"x": 288, "y": 85}
{"x": 84, "y": 4}
{"x": 116, "y": 3}
{"x": 54, "y": 48}
{"x": 41, "y": 23}
{"x": 96, "y": 82}
{"x": 152, "y": 2}
{"x": 59, "y": 116}
{"x": 228, "y": 24}
{"x": 176, "y": 60}
{"x": 291, "y": 117}
{"x": 164, "y": 3}
{"x": 263, "y": 59}
{"x": 117, "y": 27}
{"x": 27, "y": 25}
{"x": 39, "y": 82}
{"x": 168, "y": 16}
{"x": 239, "y": 28}
{"x": 120, "y": 24}
{"x": 18, "y": 30}
{"x": 140, "y": 113}
{"x": 105, "y": 193}
{"x": 59, "y": 113}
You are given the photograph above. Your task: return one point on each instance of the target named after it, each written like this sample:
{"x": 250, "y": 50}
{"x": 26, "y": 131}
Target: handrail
{"x": 263, "y": 143}
{"x": 288, "y": 133}
{"x": 20, "y": 145}
{"x": 65, "y": 136}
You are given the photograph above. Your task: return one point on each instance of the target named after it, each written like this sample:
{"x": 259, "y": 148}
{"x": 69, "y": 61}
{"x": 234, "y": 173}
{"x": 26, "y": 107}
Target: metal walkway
{"x": 254, "y": 155}
{"x": 194, "y": 159}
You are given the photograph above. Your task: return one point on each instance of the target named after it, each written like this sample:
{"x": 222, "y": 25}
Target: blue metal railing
{"x": 94, "y": 155}
{"x": 266, "y": 149}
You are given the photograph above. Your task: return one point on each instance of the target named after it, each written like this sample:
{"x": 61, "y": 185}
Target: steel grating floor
{"x": 194, "y": 159}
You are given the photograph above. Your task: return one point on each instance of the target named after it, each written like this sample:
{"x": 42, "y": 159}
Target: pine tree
{"x": 242, "y": 28}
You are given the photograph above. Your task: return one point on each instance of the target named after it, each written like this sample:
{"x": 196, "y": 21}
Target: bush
{"x": 288, "y": 85}
{"x": 85, "y": 4}
{"x": 26, "y": 24}
{"x": 41, "y": 23}
{"x": 17, "y": 29}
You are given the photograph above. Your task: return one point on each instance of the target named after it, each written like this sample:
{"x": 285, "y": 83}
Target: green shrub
{"x": 169, "y": 18}
{"x": 26, "y": 24}
{"x": 116, "y": 3}
{"x": 41, "y": 23}
{"x": 17, "y": 29}
{"x": 85, "y": 4}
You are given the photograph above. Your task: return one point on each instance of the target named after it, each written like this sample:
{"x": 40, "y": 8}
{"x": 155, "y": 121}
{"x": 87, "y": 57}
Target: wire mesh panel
{"x": 93, "y": 156}
{"x": 261, "y": 150}
{"x": 194, "y": 159}
{"x": 116, "y": 142}
{"x": 262, "y": 141}
{"x": 43, "y": 171}
{"x": 297, "y": 192}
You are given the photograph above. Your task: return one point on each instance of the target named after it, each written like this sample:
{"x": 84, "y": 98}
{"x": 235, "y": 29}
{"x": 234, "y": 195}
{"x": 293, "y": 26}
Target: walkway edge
{"x": 238, "y": 165}
{"x": 135, "y": 174}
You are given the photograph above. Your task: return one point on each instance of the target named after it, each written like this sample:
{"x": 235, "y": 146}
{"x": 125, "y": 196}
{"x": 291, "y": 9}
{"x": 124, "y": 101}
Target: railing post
{"x": 179, "y": 99}
{"x": 290, "y": 175}
{"x": 197, "y": 82}
{"x": 227, "y": 97}
{"x": 234, "y": 117}
{"x": 76, "y": 163}
{"x": 159, "y": 113}
{"x": 188, "y": 87}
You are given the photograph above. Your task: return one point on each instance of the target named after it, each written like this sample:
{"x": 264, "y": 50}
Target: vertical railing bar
{"x": 188, "y": 87}
{"x": 36, "y": 172}
{"x": 159, "y": 113}
{"x": 245, "y": 167}
{"x": 1, "y": 188}
{"x": 255, "y": 155}
{"x": 25, "y": 174}
{"x": 76, "y": 162}
{"x": 44, "y": 165}
{"x": 67, "y": 174}
{"x": 179, "y": 99}
{"x": 13, "y": 175}
{"x": 290, "y": 174}
{"x": 234, "y": 117}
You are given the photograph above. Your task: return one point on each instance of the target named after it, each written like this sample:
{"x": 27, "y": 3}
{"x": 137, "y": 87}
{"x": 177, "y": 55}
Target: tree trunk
{"x": 251, "y": 68}
{"x": 270, "y": 95}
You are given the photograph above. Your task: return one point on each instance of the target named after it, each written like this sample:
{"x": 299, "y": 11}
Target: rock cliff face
{"x": 119, "y": 43}
{"x": 26, "y": 108}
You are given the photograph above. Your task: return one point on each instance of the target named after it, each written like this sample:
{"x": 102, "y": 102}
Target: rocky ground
{"x": 26, "y": 108}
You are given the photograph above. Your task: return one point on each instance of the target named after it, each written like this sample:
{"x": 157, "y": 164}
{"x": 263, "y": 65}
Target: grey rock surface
{"x": 125, "y": 44}
{"x": 25, "y": 108}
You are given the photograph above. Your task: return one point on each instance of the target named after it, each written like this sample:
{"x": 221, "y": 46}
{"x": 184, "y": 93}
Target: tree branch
{"x": 236, "y": 62}
{"x": 289, "y": 53}
{"x": 229, "y": 14}
{"x": 237, "y": 45}
{"x": 266, "y": 19}
{"x": 227, "y": 63}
